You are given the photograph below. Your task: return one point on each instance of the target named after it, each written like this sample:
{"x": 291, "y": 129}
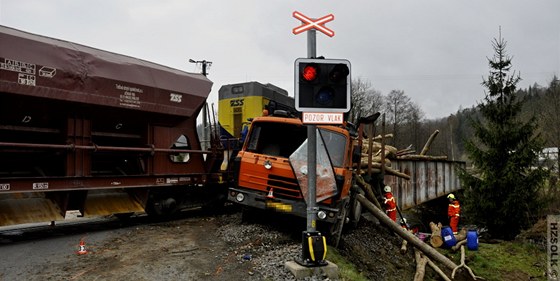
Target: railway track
{"x": 76, "y": 225}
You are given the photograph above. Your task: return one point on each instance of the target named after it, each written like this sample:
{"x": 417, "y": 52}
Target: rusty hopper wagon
{"x": 103, "y": 133}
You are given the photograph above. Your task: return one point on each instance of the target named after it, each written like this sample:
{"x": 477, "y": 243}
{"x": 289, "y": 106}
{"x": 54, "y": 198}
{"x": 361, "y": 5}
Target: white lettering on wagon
{"x": 171, "y": 180}
{"x": 26, "y": 71}
{"x": 129, "y": 97}
{"x": 40, "y": 185}
{"x": 175, "y": 97}
{"x": 4, "y": 186}
{"x": 18, "y": 66}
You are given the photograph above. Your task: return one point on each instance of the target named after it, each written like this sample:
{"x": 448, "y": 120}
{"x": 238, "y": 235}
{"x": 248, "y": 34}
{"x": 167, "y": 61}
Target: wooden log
{"x": 438, "y": 270}
{"x": 407, "y": 151}
{"x": 374, "y": 160}
{"x": 458, "y": 245}
{"x": 387, "y": 136}
{"x": 366, "y": 187}
{"x": 373, "y": 171}
{"x": 462, "y": 264}
{"x": 390, "y": 151}
{"x": 462, "y": 235}
{"x": 404, "y": 247}
{"x": 375, "y": 164}
{"x": 413, "y": 240}
{"x": 429, "y": 142}
{"x": 422, "y": 157}
{"x": 421, "y": 261}
{"x": 394, "y": 172}
{"x": 370, "y": 153}
{"x": 435, "y": 239}
{"x": 388, "y": 170}
{"x": 404, "y": 244}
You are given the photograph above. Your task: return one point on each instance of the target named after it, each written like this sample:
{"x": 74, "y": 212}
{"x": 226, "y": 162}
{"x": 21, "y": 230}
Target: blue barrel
{"x": 448, "y": 237}
{"x": 472, "y": 240}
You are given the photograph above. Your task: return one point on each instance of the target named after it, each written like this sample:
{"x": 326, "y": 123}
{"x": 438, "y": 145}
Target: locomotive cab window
{"x": 182, "y": 157}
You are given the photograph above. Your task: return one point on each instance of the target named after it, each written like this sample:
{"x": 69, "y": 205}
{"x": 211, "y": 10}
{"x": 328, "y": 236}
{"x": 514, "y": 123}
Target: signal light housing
{"x": 322, "y": 85}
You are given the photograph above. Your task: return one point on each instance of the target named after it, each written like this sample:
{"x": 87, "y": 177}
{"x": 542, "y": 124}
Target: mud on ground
{"x": 216, "y": 247}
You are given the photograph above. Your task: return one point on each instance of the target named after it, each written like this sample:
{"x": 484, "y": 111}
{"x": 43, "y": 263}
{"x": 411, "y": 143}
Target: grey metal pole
{"x": 311, "y": 150}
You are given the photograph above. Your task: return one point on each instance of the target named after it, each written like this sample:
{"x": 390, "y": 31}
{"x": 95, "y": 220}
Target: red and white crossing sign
{"x": 309, "y": 23}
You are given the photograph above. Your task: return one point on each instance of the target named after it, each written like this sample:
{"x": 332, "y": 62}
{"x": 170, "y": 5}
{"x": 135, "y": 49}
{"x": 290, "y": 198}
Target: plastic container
{"x": 449, "y": 239}
{"x": 472, "y": 240}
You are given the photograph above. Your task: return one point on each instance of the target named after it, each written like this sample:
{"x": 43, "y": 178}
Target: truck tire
{"x": 355, "y": 209}
{"x": 336, "y": 229}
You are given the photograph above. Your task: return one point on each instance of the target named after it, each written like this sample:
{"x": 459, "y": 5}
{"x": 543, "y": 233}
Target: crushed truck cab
{"x": 266, "y": 179}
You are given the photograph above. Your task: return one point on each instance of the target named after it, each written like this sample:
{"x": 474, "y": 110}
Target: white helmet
{"x": 387, "y": 188}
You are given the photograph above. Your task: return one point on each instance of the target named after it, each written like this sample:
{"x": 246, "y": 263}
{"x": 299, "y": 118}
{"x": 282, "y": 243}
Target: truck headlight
{"x": 240, "y": 197}
{"x": 322, "y": 215}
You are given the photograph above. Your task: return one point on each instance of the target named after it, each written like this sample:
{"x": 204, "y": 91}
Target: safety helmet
{"x": 387, "y": 188}
{"x": 451, "y": 196}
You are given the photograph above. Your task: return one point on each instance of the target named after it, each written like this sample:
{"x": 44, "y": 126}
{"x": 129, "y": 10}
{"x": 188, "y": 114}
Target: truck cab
{"x": 266, "y": 178}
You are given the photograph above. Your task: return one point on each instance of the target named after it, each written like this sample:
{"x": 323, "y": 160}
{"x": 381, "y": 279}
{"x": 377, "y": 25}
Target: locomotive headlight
{"x": 322, "y": 215}
{"x": 240, "y": 197}
{"x": 267, "y": 165}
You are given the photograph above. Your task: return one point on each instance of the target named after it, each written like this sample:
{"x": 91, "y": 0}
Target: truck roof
{"x": 40, "y": 66}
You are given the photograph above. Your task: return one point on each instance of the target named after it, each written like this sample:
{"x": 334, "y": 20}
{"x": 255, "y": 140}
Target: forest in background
{"x": 405, "y": 119}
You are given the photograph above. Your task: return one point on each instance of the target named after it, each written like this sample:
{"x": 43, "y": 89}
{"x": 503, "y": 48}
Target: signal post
{"x": 322, "y": 94}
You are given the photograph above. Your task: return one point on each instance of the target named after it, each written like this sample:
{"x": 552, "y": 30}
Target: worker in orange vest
{"x": 453, "y": 212}
{"x": 390, "y": 203}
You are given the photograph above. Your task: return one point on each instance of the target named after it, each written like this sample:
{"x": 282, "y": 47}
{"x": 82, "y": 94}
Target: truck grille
{"x": 284, "y": 187}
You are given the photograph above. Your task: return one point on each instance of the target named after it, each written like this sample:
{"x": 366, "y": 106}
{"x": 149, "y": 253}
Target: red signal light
{"x": 309, "y": 73}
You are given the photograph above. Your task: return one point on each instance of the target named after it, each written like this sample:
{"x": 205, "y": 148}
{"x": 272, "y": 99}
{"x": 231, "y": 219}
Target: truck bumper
{"x": 259, "y": 200}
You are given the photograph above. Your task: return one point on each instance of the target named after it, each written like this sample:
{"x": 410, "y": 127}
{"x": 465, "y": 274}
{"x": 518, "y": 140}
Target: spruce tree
{"x": 501, "y": 192}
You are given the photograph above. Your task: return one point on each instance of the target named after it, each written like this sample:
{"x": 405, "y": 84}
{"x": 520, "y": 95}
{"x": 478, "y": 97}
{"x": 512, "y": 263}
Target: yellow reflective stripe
{"x": 450, "y": 205}
{"x": 389, "y": 210}
{"x": 324, "y": 247}
{"x": 392, "y": 199}
{"x": 310, "y": 243}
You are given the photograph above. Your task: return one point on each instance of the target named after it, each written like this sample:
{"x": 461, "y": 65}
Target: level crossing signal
{"x": 322, "y": 85}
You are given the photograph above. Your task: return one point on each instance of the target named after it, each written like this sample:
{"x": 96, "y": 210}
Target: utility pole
{"x": 205, "y": 64}
{"x": 205, "y": 134}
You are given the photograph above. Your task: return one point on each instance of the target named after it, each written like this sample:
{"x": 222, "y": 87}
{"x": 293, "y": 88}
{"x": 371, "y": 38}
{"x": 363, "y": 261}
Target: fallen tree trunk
{"x": 427, "y": 250}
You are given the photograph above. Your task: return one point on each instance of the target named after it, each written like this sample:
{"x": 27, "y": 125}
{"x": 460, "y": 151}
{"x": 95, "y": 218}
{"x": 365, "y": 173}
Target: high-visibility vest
{"x": 389, "y": 202}
{"x": 454, "y": 209}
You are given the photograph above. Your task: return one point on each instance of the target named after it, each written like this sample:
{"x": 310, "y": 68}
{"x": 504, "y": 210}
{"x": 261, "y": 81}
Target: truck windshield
{"x": 336, "y": 145}
{"x": 281, "y": 139}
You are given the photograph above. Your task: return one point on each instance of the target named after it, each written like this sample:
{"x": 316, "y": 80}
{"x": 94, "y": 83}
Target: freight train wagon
{"x": 103, "y": 133}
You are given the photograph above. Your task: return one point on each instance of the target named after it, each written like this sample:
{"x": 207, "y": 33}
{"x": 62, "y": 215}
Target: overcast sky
{"x": 434, "y": 50}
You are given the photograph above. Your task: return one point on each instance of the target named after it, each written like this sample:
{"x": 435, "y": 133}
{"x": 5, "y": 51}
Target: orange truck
{"x": 267, "y": 172}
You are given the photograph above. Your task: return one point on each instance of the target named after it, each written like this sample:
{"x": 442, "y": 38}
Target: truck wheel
{"x": 336, "y": 228}
{"x": 355, "y": 210}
